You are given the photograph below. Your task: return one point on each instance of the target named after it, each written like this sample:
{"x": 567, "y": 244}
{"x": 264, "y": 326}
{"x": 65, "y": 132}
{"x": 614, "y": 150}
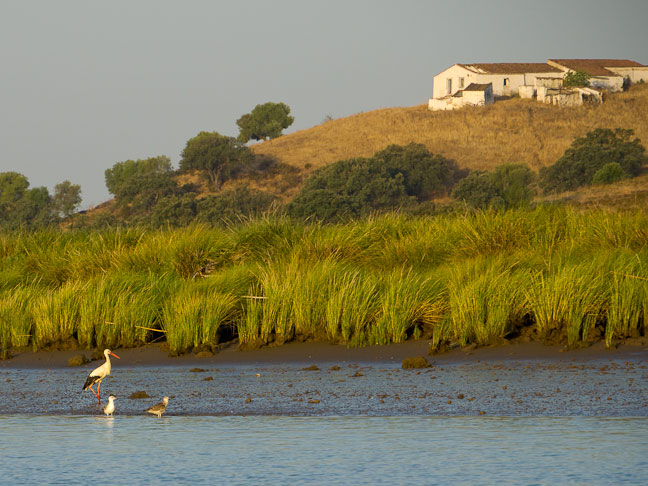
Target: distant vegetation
{"x": 552, "y": 274}
{"x": 588, "y": 160}
{"x": 265, "y": 122}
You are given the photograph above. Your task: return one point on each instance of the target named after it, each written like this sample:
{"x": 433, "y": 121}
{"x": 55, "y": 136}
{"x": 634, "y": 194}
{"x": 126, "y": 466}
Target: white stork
{"x": 159, "y": 408}
{"x": 110, "y": 408}
{"x": 99, "y": 374}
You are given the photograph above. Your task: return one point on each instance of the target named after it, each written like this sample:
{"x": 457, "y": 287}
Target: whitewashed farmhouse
{"x": 455, "y": 87}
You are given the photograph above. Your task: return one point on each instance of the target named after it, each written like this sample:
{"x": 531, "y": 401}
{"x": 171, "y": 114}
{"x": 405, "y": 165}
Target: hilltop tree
{"x": 264, "y": 122}
{"x": 67, "y": 197}
{"x": 218, "y": 156}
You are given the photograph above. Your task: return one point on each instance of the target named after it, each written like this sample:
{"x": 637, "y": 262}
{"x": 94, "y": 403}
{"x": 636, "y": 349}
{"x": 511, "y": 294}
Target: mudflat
{"x": 317, "y": 352}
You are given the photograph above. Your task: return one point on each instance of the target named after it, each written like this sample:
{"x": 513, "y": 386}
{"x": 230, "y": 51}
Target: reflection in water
{"x": 323, "y": 450}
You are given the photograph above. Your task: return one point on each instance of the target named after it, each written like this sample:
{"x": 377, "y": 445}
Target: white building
{"x": 524, "y": 79}
{"x": 608, "y": 74}
{"x": 472, "y": 95}
{"x": 506, "y": 78}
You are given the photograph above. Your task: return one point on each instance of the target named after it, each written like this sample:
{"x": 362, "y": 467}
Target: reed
{"x": 485, "y": 299}
{"x": 470, "y": 277}
{"x": 16, "y": 320}
{"x": 191, "y": 318}
{"x": 55, "y": 313}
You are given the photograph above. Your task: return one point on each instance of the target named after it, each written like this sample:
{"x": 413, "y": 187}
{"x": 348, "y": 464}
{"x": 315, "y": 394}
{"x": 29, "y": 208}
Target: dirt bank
{"x": 310, "y": 352}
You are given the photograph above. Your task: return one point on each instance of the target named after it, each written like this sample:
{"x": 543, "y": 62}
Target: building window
{"x": 461, "y": 83}
{"x": 507, "y": 82}
{"x": 449, "y": 85}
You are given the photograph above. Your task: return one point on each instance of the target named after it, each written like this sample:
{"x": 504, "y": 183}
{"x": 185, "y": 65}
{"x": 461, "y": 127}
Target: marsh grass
{"x": 470, "y": 277}
{"x": 16, "y": 319}
{"x": 485, "y": 298}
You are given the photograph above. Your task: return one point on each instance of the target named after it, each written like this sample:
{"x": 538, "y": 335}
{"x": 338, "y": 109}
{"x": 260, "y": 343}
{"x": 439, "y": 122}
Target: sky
{"x": 86, "y": 84}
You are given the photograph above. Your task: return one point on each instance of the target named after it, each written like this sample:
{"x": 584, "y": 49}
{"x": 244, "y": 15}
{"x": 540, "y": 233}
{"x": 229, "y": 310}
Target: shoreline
{"x": 319, "y": 352}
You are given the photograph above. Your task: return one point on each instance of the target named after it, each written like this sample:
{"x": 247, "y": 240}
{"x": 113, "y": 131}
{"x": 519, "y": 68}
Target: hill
{"x": 514, "y": 130}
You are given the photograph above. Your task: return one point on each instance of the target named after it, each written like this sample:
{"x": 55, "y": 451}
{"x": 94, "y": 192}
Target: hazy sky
{"x": 87, "y": 84}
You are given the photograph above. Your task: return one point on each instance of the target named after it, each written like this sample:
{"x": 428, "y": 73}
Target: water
{"x": 323, "y": 450}
{"x": 510, "y": 422}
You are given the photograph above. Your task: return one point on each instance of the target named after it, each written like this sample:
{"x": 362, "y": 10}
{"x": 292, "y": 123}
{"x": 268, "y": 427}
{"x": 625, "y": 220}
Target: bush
{"x": 587, "y": 155}
{"x": 608, "y": 174}
{"x": 478, "y": 190}
{"x": 397, "y": 177}
{"x": 577, "y": 78}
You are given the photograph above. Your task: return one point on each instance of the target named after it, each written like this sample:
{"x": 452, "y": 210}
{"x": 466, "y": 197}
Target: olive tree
{"x": 218, "y": 156}
{"x": 264, "y": 122}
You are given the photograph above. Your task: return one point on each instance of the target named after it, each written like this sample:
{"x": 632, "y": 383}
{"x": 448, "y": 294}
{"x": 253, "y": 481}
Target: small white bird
{"x": 159, "y": 408}
{"x": 99, "y": 374}
{"x": 110, "y": 408}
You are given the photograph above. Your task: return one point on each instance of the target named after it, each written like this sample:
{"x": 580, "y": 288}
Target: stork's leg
{"x": 99, "y": 396}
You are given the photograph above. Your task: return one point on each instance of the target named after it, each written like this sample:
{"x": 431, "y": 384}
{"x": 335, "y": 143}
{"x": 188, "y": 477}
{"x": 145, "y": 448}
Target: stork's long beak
{"x": 115, "y": 355}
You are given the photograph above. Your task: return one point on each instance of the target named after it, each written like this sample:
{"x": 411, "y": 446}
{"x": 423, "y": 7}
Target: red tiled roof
{"x": 511, "y": 68}
{"x": 596, "y": 67}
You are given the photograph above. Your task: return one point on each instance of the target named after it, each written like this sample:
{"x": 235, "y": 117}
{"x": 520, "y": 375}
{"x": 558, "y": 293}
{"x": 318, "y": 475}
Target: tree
{"x": 513, "y": 183}
{"x": 576, "y": 78}
{"x": 13, "y": 186}
{"x": 478, "y": 190}
{"x": 425, "y": 175}
{"x": 67, "y": 197}
{"x": 218, "y": 156}
{"x": 21, "y": 207}
{"x": 588, "y": 154}
{"x": 265, "y": 121}
{"x": 127, "y": 179}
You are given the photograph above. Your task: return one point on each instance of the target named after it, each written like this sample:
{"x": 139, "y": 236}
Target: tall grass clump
{"x": 485, "y": 300}
{"x": 407, "y": 303}
{"x": 352, "y": 307}
{"x": 116, "y": 310}
{"x": 627, "y": 303}
{"x": 191, "y": 318}
{"x": 56, "y": 314}
{"x": 16, "y": 318}
{"x": 288, "y": 301}
{"x": 566, "y": 300}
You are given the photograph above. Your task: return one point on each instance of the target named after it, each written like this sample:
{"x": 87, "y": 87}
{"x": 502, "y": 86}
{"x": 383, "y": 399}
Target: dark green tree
{"x": 478, "y": 190}
{"x": 13, "y": 186}
{"x": 589, "y": 154}
{"x": 219, "y": 157}
{"x": 425, "y": 175}
{"x": 139, "y": 184}
{"x": 66, "y": 199}
{"x": 513, "y": 183}
{"x": 22, "y": 207}
{"x": 264, "y": 122}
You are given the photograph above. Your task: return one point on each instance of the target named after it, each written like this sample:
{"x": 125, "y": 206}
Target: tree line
{"x": 150, "y": 192}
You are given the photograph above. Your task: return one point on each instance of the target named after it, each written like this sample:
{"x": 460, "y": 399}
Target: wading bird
{"x": 110, "y": 408}
{"x": 159, "y": 408}
{"x": 99, "y": 374}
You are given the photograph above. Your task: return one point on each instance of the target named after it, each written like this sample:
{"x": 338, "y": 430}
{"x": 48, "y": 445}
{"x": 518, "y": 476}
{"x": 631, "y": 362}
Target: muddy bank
{"x": 317, "y": 352}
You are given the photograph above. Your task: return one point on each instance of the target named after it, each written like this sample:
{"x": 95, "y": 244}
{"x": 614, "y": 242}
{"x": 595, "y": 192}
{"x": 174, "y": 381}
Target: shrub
{"x": 608, "y": 174}
{"x": 478, "y": 190}
{"x": 588, "y": 154}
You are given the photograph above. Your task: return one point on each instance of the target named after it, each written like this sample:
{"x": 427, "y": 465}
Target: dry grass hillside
{"x": 514, "y": 130}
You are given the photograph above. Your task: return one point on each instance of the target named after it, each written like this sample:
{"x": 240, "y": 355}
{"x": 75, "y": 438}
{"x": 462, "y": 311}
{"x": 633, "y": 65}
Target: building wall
{"x": 454, "y": 74}
{"x": 503, "y": 84}
{"x": 633, "y": 74}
